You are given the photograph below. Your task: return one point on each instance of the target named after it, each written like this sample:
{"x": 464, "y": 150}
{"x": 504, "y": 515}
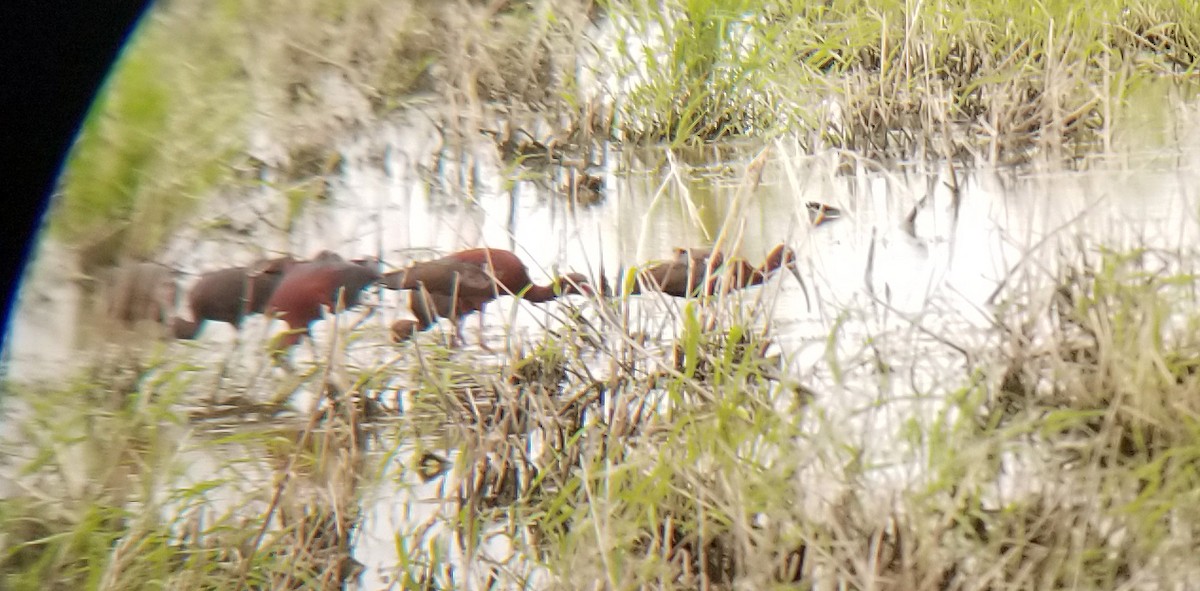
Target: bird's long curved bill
{"x": 803, "y": 287}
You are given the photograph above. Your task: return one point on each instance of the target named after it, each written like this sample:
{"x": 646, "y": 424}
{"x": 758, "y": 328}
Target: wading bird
{"x": 450, "y": 287}
{"x": 141, "y": 292}
{"x": 327, "y": 280}
{"x": 686, "y": 275}
{"x": 229, "y": 295}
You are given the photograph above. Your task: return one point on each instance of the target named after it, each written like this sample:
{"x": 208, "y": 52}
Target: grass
{"x": 1058, "y": 455}
{"x": 206, "y": 91}
{"x": 259, "y": 94}
{"x": 1054, "y": 450}
{"x": 991, "y": 81}
{"x": 154, "y": 142}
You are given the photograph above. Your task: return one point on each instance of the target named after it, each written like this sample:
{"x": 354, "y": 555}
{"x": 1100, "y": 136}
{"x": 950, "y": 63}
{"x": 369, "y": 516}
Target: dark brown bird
{"x": 680, "y": 278}
{"x": 141, "y": 292}
{"x": 685, "y": 276}
{"x": 229, "y": 295}
{"x": 452, "y": 286}
{"x": 445, "y": 275}
{"x": 327, "y": 280}
{"x": 708, "y": 256}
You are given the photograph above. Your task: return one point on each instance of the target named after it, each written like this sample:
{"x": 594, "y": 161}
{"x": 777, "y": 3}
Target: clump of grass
{"x": 946, "y": 78}
{"x": 698, "y": 467}
{"x": 1121, "y": 360}
{"x": 1099, "y": 374}
{"x": 83, "y": 453}
{"x": 105, "y": 497}
{"x": 156, "y": 139}
{"x": 700, "y": 71}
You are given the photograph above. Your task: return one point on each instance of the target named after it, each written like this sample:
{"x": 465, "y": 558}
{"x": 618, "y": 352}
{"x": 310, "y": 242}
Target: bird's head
{"x": 780, "y": 257}
{"x": 574, "y": 283}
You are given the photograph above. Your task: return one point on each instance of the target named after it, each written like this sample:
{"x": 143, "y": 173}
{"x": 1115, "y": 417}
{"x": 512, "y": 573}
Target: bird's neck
{"x": 539, "y": 293}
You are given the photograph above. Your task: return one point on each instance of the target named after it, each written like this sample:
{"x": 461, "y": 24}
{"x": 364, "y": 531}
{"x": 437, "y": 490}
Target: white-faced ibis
{"x": 229, "y": 295}
{"x": 685, "y": 276}
{"x": 327, "y": 280}
{"x": 449, "y": 287}
{"x": 141, "y": 292}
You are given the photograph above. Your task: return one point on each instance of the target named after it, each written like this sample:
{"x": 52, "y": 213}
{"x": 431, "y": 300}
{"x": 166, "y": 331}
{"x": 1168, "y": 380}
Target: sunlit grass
{"x": 589, "y": 454}
{"x": 945, "y": 78}
{"x": 1058, "y": 451}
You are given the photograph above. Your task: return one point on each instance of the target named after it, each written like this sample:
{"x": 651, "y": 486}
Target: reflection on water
{"x": 913, "y": 263}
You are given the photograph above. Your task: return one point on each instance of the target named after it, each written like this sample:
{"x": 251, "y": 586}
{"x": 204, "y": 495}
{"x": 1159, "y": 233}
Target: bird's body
{"x": 464, "y": 282}
{"x": 444, "y": 275}
{"x": 141, "y": 292}
{"x": 735, "y": 274}
{"x": 329, "y": 281}
{"x": 685, "y": 276}
{"x": 229, "y": 295}
{"x": 682, "y": 278}
{"x": 701, "y": 256}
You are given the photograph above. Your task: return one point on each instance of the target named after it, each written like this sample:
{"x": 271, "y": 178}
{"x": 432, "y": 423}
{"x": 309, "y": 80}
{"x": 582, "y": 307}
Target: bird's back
{"x": 217, "y": 295}
{"x": 676, "y": 278}
{"x": 307, "y": 286}
{"x": 508, "y": 270}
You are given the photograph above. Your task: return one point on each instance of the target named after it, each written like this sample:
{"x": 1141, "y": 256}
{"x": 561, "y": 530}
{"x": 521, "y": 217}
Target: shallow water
{"x": 879, "y": 285}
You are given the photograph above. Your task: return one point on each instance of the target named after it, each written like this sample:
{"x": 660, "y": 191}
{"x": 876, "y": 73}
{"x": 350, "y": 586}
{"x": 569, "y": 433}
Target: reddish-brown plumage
{"x": 404, "y": 329}
{"x": 452, "y": 286}
{"x": 682, "y": 278}
{"x": 307, "y": 287}
{"x": 701, "y": 256}
{"x": 229, "y": 295}
{"x": 685, "y": 275}
{"x": 735, "y": 274}
{"x": 509, "y": 273}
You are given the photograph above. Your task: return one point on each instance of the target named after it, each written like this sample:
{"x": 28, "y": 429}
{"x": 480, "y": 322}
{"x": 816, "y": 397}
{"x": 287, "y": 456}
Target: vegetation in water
{"x": 208, "y": 97}
{"x": 679, "y": 450}
{"x": 947, "y": 78}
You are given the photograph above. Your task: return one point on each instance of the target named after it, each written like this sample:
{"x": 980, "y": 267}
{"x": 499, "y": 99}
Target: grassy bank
{"x": 234, "y": 96}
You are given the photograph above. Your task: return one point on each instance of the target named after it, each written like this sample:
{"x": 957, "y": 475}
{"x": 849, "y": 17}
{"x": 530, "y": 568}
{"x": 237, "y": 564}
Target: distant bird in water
{"x": 141, "y": 292}
{"x": 696, "y": 272}
{"x": 819, "y": 213}
{"x": 324, "y": 281}
{"x": 464, "y": 282}
{"x": 229, "y": 295}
